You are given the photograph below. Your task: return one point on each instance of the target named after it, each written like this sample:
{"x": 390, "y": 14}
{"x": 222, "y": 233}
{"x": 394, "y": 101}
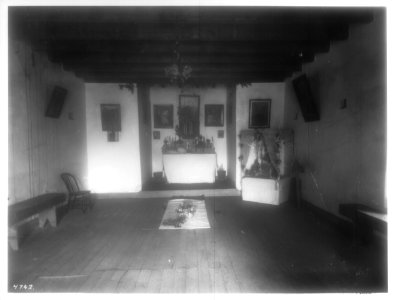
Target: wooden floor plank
{"x": 97, "y": 258}
{"x": 250, "y": 248}
{"x": 60, "y": 247}
{"x": 110, "y": 285}
{"x": 133, "y": 244}
{"x": 104, "y": 284}
{"x": 42, "y": 250}
{"x": 205, "y": 282}
{"x": 167, "y": 248}
{"x": 180, "y": 280}
{"x": 128, "y": 282}
{"x": 142, "y": 281}
{"x": 155, "y": 280}
{"x": 219, "y": 284}
{"x": 240, "y": 258}
{"x": 228, "y": 271}
{"x": 181, "y": 253}
{"x": 192, "y": 280}
{"x": 90, "y": 282}
{"x": 167, "y": 282}
{"x": 73, "y": 257}
{"x": 114, "y": 255}
{"x": 51, "y": 267}
{"x": 144, "y": 247}
{"x": 118, "y": 274}
{"x": 84, "y": 267}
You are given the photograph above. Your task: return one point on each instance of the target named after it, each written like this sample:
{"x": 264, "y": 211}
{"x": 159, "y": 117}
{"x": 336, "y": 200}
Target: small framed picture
{"x": 111, "y": 117}
{"x": 259, "y": 113}
{"x": 220, "y": 134}
{"x": 112, "y": 136}
{"x": 156, "y": 134}
{"x": 213, "y": 115}
{"x": 163, "y": 116}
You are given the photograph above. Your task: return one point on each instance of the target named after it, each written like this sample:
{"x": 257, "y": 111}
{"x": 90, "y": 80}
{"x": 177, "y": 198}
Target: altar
{"x": 190, "y": 167}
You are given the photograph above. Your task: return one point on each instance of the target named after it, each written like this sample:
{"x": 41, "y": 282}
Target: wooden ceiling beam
{"x": 112, "y": 44}
{"x": 200, "y": 49}
{"x": 165, "y": 59}
{"x": 160, "y": 76}
{"x": 197, "y": 70}
{"x": 268, "y": 77}
{"x": 214, "y": 59}
{"x": 168, "y": 32}
{"x": 191, "y": 14}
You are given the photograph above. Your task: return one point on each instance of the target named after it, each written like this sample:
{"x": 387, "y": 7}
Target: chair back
{"x": 70, "y": 182}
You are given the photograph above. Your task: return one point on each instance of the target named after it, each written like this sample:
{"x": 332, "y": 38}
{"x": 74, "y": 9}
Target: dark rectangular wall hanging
{"x": 56, "y": 102}
{"x": 111, "y": 117}
{"x": 259, "y": 113}
{"x": 113, "y": 136}
{"x": 156, "y": 134}
{"x": 213, "y": 115}
{"x": 188, "y": 116}
{"x": 305, "y": 98}
{"x": 163, "y": 116}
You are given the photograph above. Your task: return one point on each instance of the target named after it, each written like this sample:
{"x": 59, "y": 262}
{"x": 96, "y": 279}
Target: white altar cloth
{"x": 190, "y": 167}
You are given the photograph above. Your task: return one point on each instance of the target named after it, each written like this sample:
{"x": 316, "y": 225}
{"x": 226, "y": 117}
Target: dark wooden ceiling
{"x": 221, "y": 44}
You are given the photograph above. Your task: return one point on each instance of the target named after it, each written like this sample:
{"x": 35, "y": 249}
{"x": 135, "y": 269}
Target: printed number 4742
{"x": 23, "y": 287}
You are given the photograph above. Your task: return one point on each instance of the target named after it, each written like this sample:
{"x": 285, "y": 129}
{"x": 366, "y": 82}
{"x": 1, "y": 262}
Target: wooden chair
{"x": 77, "y": 198}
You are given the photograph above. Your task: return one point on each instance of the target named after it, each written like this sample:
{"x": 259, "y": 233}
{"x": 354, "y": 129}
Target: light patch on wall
{"x": 113, "y": 167}
{"x": 105, "y": 179}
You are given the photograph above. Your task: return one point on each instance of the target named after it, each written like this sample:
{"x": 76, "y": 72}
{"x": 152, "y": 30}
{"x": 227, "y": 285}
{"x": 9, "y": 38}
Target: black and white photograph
{"x": 123, "y": 176}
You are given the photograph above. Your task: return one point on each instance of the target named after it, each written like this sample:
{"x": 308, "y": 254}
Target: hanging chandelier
{"x": 178, "y": 72}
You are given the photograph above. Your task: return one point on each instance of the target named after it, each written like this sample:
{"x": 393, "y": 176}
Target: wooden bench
{"x": 365, "y": 220}
{"x": 42, "y": 207}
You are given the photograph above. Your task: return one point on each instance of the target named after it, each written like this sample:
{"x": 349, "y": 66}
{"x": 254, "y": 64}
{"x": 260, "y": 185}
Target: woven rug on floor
{"x": 198, "y": 220}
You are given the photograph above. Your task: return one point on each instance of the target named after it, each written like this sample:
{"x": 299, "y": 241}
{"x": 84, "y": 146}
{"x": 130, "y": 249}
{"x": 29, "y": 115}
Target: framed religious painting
{"x": 163, "y": 116}
{"x": 111, "y": 117}
{"x": 188, "y": 116}
{"x": 259, "y": 113}
{"x": 213, "y": 115}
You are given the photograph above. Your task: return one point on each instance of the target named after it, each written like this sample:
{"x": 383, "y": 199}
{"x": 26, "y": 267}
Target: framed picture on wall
{"x": 163, "y": 116}
{"x": 111, "y": 117}
{"x": 259, "y": 113}
{"x": 213, "y": 115}
{"x": 156, "y": 134}
{"x": 188, "y": 116}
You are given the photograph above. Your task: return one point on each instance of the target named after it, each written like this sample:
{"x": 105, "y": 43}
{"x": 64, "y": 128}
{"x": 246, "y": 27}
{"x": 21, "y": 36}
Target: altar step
{"x": 172, "y": 193}
{"x": 160, "y": 185}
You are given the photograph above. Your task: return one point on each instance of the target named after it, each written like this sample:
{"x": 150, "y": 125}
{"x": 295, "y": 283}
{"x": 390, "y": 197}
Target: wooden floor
{"x": 250, "y": 248}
